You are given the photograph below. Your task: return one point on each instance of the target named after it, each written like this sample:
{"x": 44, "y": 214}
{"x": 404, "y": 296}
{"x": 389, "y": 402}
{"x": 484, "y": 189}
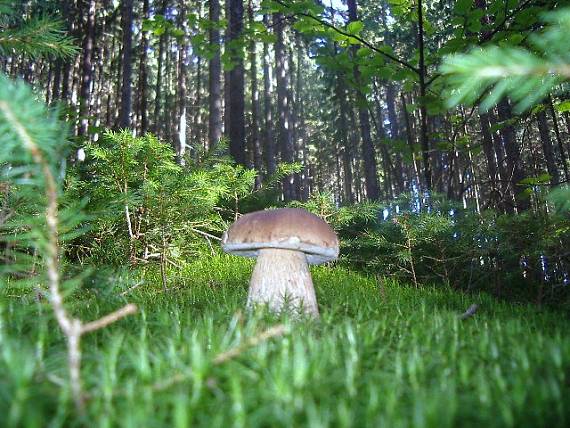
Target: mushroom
{"x": 284, "y": 240}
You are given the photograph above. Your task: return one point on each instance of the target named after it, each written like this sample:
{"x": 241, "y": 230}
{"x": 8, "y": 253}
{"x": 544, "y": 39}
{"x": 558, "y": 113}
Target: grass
{"x": 382, "y": 355}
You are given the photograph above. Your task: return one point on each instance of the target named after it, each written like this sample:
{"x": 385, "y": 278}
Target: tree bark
{"x": 126, "y": 88}
{"x": 346, "y": 148}
{"x": 283, "y": 104}
{"x": 214, "y": 78}
{"x": 563, "y": 157}
{"x": 410, "y": 138}
{"x": 255, "y": 145}
{"x": 182, "y": 76}
{"x": 368, "y": 152}
{"x": 514, "y": 164}
{"x": 547, "y": 148}
{"x": 269, "y": 143}
{"x": 143, "y": 75}
{"x": 489, "y": 150}
{"x": 395, "y": 135}
{"x": 158, "y": 126}
{"x": 236, "y": 130}
{"x": 423, "y": 110}
{"x": 87, "y": 68}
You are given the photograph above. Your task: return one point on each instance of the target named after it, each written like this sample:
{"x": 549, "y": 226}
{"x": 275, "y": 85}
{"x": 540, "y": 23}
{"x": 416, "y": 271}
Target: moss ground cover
{"x": 383, "y": 354}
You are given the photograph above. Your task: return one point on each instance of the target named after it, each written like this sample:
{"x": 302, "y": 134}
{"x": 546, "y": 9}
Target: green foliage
{"x": 437, "y": 242}
{"x": 35, "y": 37}
{"x": 526, "y": 75}
{"x": 26, "y": 123}
{"x": 143, "y": 203}
{"x": 382, "y": 355}
{"x": 560, "y": 198}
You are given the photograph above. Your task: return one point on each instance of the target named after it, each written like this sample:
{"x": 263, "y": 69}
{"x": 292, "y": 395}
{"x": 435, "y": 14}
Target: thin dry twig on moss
{"x": 277, "y": 330}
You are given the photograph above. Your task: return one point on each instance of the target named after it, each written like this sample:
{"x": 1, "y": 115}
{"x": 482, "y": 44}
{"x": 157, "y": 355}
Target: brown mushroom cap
{"x": 283, "y": 228}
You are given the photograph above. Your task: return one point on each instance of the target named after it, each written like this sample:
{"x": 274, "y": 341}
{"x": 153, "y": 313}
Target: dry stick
{"x": 274, "y": 331}
{"x": 70, "y": 326}
{"x": 128, "y": 290}
{"x": 109, "y": 319}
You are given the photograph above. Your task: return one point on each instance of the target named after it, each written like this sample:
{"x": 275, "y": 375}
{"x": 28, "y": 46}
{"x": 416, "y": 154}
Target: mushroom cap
{"x": 282, "y": 228}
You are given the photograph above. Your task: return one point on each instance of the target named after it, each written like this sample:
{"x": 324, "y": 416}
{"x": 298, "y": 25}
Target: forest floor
{"x": 383, "y": 354}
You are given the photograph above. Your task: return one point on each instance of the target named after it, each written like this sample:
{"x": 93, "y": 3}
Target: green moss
{"x": 383, "y": 354}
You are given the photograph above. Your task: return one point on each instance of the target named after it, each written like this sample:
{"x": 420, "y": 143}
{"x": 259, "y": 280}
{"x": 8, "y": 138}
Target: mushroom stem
{"x": 282, "y": 280}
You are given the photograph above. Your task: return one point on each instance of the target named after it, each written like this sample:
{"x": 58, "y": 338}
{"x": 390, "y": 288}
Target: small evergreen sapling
{"x": 31, "y": 142}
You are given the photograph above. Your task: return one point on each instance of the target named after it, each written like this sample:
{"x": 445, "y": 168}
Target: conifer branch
{"x": 38, "y": 37}
{"x": 71, "y": 327}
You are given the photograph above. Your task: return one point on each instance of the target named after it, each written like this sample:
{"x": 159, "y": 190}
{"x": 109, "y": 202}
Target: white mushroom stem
{"x": 281, "y": 279}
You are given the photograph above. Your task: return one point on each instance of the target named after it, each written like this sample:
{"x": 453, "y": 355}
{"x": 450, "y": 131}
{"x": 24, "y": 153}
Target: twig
{"x": 469, "y": 312}
{"x": 128, "y": 290}
{"x": 277, "y": 330}
{"x": 109, "y": 319}
{"x": 208, "y": 235}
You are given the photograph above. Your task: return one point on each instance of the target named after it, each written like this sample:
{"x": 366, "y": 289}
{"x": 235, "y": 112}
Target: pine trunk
{"x": 214, "y": 78}
{"x": 126, "y": 88}
{"x": 87, "y": 68}
{"x": 283, "y": 104}
{"x": 236, "y": 88}
{"x": 269, "y": 143}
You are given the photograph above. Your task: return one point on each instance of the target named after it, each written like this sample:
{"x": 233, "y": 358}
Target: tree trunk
{"x": 563, "y": 157}
{"x": 143, "y": 76}
{"x": 515, "y": 169}
{"x": 489, "y": 151}
{"x": 126, "y": 88}
{"x": 158, "y": 125}
{"x": 269, "y": 143}
{"x": 214, "y": 78}
{"x": 346, "y": 148}
{"x": 368, "y": 152}
{"x": 381, "y": 135}
{"x": 547, "y": 148}
{"x": 423, "y": 111}
{"x": 87, "y": 68}
{"x": 182, "y": 75}
{"x": 395, "y": 135}
{"x": 410, "y": 138}
{"x": 283, "y": 105}
{"x": 236, "y": 130}
{"x": 255, "y": 145}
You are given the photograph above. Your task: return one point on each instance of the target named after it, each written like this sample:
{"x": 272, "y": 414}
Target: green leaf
{"x": 462, "y": 6}
{"x": 563, "y": 106}
{"x": 533, "y": 181}
{"x": 363, "y": 52}
{"x": 355, "y": 27}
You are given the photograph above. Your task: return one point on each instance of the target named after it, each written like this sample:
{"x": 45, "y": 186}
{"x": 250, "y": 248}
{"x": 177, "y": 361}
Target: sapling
{"x": 17, "y": 108}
